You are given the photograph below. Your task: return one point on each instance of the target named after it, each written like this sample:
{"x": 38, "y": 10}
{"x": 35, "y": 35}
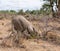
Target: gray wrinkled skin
{"x": 21, "y": 24}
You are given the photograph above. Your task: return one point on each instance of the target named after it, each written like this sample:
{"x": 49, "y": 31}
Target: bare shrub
{"x": 45, "y": 27}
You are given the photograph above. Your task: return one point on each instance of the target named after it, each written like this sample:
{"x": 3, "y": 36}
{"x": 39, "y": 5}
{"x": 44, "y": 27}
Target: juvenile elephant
{"x": 21, "y": 24}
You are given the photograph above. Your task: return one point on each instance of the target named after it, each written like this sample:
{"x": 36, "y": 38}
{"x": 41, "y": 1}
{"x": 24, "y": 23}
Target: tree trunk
{"x": 52, "y": 11}
{"x": 58, "y": 13}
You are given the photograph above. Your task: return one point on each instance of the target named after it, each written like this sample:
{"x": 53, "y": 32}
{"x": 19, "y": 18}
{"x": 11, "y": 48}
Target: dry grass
{"x": 35, "y": 45}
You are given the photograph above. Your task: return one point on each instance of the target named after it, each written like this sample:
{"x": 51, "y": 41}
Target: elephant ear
{"x": 34, "y": 29}
{"x": 30, "y": 28}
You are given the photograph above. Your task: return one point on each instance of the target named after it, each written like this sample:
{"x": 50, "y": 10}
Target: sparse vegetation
{"x": 48, "y": 28}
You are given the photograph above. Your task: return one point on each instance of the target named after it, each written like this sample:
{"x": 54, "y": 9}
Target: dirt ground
{"x": 31, "y": 44}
